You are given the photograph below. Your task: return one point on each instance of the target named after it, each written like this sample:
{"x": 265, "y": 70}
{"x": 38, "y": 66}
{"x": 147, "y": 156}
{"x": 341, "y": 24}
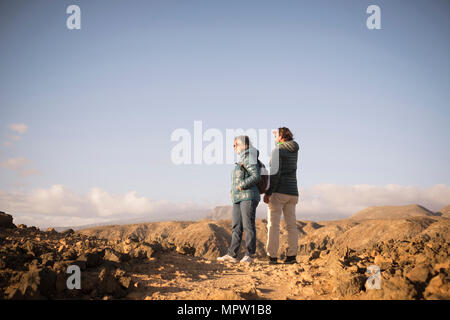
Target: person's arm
{"x": 274, "y": 177}
{"x": 231, "y": 187}
{"x": 254, "y": 175}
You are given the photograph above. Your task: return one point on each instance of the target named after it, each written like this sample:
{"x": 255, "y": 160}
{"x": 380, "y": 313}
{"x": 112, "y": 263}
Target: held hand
{"x": 266, "y": 198}
{"x": 240, "y": 189}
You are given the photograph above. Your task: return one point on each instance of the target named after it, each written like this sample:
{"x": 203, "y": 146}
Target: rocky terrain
{"x": 394, "y": 212}
{"x": 445, "y": 212}
{"x": 176, "y": 260}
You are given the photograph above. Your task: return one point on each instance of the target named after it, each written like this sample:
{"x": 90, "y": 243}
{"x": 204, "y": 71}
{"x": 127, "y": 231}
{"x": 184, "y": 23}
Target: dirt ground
{"x": 176, "y": 276}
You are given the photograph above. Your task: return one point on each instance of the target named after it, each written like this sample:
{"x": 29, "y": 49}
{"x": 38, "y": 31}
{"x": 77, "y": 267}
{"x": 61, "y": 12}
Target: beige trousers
{"x": 281, "y": 203}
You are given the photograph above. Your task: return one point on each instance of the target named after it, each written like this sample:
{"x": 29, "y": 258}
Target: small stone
{"x": 314, "y": 255}
{"x": 68, "y": 232}
{"x": 360, "y": 265}
{"x": 438, "y": 288}
{"x": 353, "y": 269}
{"x": 69, "y": 254}
{"x": 419, "y": 273}
{"x": 111, "y": 256}
{"x": 382, "y": 262}
{"x": 125, "y": 282}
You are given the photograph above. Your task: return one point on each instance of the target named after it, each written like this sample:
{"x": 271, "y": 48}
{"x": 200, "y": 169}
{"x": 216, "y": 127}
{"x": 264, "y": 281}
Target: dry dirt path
{"x": 174, "y": 276}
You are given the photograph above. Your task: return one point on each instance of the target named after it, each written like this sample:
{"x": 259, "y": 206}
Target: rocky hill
{"x": 445, "y": 212}
{"x": 393, "y": 212}
{"x": 226, "y": 212}
{"x": 220, "y": 213}
{"x": 176, "y": 260}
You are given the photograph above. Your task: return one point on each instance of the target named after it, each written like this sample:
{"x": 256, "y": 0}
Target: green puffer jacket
{"x": 285, "y": 179}
{"x": 246, "y": 177}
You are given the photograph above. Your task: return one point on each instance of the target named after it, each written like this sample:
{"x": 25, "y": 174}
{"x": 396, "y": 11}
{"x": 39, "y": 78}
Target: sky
{"x": 87, "y": 116}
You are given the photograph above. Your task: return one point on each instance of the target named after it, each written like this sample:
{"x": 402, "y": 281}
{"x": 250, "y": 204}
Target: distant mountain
{"x": 393, "y": 212}
{"x": 445, "y": 212}
{"x": 108, "y": 223}
{"x": 176, "y": 216}
{"x": 220, "y": 213}
{"x": 225, "y": 213}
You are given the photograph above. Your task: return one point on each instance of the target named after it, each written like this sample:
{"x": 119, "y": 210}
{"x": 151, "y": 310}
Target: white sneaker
{"x": 227, "y": 257}
{"x": 247, "y": 259}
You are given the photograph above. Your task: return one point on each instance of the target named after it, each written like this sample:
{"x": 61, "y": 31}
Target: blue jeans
{"x": 243, "y": 219}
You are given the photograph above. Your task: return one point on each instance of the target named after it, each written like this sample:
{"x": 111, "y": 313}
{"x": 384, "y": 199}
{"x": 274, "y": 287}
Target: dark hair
{"x": 285, "y": 134}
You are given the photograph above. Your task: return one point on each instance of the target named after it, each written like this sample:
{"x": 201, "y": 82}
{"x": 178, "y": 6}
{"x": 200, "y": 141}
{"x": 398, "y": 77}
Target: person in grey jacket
{"x": 282, "y": 195}
{"x": 245, "y": 197}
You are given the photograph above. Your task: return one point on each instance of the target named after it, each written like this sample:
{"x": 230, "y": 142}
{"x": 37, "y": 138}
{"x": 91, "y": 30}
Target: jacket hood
{"x": 252, "y": 152}
{"x": 291, "y": 146}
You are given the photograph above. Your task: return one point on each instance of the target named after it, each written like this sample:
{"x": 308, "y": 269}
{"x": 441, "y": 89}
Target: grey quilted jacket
{"x": 246, "y": 175}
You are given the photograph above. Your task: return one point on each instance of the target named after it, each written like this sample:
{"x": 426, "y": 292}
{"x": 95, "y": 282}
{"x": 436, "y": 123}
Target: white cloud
{"x": 21, "y": 166}
{"x": 15, "y": 163}
{"x": 27, "y": 172}
{"x": 18, "y": 127}
{"x": 13, "y": 137}
{"x": 130, "y": 203}
{"x": 326, "y": 199}
{"x": 60, "y": 206}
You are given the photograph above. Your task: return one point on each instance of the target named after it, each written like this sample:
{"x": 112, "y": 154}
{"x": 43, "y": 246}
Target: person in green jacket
{"x": 282, "y": 195}
{"x": 245, "y": 197}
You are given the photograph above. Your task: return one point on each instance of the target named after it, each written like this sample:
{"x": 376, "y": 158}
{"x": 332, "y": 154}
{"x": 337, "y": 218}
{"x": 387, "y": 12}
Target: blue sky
{"x": 366, "y": 106}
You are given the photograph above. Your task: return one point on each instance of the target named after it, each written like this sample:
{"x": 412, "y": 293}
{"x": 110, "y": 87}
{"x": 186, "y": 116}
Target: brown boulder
{"x": 69, "y": 254}
{"x": 34, "y": 284}
{"x": 68, "y": 232}
{"x": 123, "y": 279}
{"x": 395, "y": 288}
{"x": 51, "y": 230}
{"x": 348, "y": 284}
{"x": 419, "y": 273}
{"x": 110, "y": 285}
{"x": 89, "y": 282}
{"x": 383, "y": 262}
{"x": 438, "y": 288}
{"x": 186, "y": 249}
{"x": 92, "y": 259}
{"x": 314, "y": 255}
{"x": 112, "y": 255}
{"x": 48, "y": 259}
{"x": 6, "y": 221}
